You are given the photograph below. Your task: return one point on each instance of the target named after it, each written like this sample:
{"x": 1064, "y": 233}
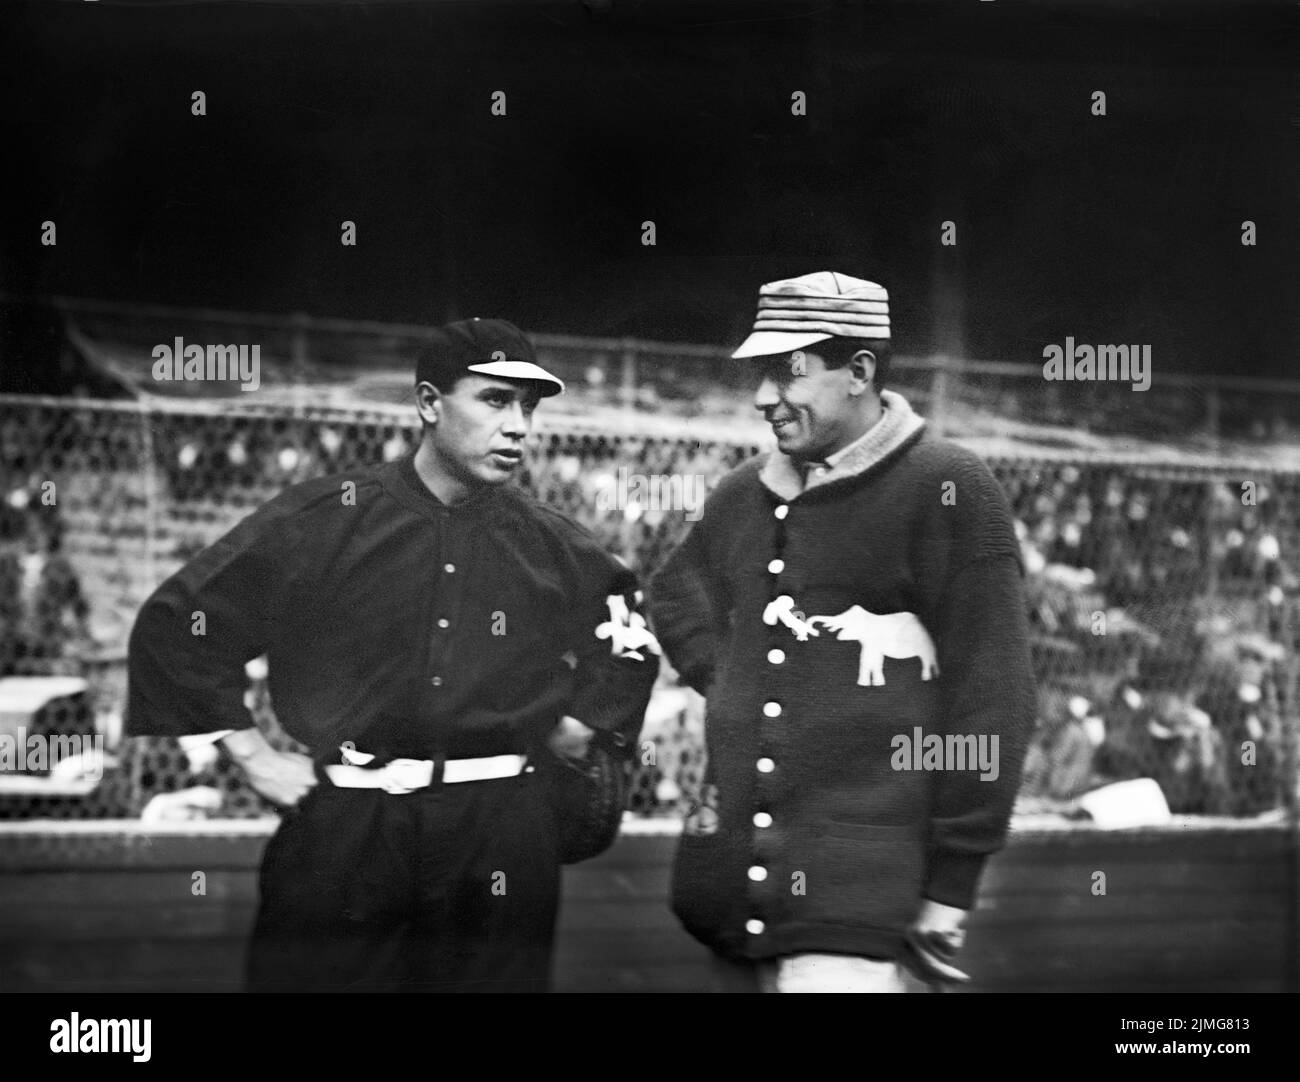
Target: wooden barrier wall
{"x": 1200, "y": 906}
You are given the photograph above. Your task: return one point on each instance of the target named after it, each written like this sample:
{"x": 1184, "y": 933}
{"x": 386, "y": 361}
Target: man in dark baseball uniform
{"x": 430, "y": 632}
{"x": 851, "y": 607}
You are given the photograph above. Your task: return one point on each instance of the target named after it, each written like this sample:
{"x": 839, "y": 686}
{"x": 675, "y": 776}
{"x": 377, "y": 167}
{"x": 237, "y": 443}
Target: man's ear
{"x": 428, "y": 402}
{"x": 862, "y": 371}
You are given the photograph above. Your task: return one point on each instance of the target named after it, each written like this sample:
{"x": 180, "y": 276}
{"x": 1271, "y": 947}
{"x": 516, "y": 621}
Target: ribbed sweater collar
{"x": 897, "y": 425}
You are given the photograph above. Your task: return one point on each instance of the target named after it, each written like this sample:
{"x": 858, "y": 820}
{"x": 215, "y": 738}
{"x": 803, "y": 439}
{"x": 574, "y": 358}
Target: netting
{"x": 308, "y": 361}
{"x": 1161, "y": 597}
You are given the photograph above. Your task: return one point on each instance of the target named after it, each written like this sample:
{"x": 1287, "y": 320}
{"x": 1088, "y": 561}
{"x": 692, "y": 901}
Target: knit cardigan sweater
{"x": 824, "y": 623}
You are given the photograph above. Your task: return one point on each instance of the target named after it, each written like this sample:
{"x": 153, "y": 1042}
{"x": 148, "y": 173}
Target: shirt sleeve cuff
{"x": 198, "y": 740}
{"x": 954, "y": 878}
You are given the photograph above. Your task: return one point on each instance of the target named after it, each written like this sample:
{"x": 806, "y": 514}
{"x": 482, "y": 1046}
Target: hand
{"x": 569, "y": 739}
{"x": 933, "y": 940}
{"x": 283, "y": 777}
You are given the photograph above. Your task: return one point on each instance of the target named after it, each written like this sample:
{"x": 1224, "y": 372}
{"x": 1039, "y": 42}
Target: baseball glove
{"x": 588, "y": 796}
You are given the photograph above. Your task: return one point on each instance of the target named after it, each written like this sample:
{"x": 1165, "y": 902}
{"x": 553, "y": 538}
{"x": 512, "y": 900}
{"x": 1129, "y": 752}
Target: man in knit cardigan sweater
{"x": 851, "y": 606}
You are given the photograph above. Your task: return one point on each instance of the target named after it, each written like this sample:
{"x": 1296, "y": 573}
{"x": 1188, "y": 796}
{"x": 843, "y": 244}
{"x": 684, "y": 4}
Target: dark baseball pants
{"x": 453, "y": 888}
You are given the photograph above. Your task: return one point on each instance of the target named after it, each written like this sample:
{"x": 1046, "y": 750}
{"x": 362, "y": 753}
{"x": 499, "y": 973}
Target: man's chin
{"x": 494, "y": 474}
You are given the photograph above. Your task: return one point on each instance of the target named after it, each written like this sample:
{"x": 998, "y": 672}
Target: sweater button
{"x": 757, "y": 873}
{"x": 755, "y": 927}
{"x": 762, "y": 820}
{"x": 781, "y": 511}
{"x": 776, "y": 566}
{"x": 765, "y": 765}
{"x": 776, "y": 656}
{"x": 772, "y": 710}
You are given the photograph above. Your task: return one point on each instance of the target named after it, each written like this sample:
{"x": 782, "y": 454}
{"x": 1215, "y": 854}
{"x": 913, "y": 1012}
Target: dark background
{"x": 1124, "y": 228}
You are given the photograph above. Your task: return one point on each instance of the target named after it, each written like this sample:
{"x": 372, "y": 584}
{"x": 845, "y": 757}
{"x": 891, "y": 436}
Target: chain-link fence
{"x": 1162, "y": 596}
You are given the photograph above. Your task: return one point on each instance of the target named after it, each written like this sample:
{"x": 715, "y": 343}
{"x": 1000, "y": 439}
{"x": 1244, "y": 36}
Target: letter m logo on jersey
{"x": 626, "y": 628}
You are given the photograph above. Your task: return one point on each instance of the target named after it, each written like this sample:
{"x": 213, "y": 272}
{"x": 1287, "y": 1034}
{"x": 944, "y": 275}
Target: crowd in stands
{"x": 1162, "y": 610}
{"x": 1158, "y": 603}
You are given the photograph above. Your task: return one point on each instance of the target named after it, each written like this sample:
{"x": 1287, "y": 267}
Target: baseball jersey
{"x": 405, "y": 625}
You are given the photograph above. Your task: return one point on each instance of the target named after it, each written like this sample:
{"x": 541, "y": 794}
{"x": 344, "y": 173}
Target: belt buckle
{"x": 406, "y": 775}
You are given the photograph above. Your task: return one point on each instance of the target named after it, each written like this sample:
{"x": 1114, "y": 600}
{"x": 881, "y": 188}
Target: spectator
{"x": 1058, "y": 768}
{"x": 43, "y": 613}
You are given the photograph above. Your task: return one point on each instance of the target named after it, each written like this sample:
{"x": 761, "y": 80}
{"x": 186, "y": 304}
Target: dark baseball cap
{"x": 490, "y": 347}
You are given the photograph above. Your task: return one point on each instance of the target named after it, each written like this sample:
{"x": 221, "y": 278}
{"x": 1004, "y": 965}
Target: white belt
{"x": 407, "y": 775}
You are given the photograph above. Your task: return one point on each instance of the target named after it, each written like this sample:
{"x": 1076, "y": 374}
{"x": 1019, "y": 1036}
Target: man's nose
{"x": 766, "y": 396}
{"x": 517, "y": 422}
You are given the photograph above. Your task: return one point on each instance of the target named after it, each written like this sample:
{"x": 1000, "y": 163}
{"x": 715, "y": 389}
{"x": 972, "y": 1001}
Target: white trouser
{"x": 835, "y": 973}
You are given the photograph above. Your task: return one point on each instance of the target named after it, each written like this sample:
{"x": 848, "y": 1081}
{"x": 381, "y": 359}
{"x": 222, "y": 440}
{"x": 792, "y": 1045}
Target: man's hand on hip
{"x": 570, "y": 738}
{"x": 283, "y": 777}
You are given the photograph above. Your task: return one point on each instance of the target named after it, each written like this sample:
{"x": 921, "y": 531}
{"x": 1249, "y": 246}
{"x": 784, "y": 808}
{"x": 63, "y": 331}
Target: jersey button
{"x": 436, "y": 681}
{"x": 755, "y": 927}
{"x": 776, "y": 567}
{"x": 762, "y": 820}
{"x": 765, "y": 765}
{"x": 444, "y": 623}
{"x": 776, "y": 657}
{"x": 757, "y": 873}
{"x": 772, "y": 710}
{"x": 449, "y": 568}
{"x": 781, "y": 511}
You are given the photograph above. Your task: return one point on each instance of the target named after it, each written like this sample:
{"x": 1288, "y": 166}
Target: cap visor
{"x": 766, "y": 343}
{"x": 521, "y": 370}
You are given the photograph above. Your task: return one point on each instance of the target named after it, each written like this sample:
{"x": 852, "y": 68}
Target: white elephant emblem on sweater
{"x": 898, "y": 635}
